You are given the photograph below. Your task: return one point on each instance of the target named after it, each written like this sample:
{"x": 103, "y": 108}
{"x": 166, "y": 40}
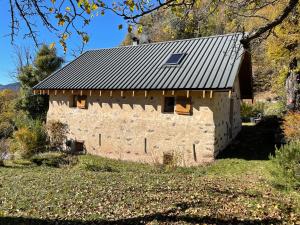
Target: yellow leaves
{"x": 85, "y": 38}
{"x": 190, "y": 16}
{"x": 62, "y": 41}
{"x": 58, "y": 16}
{"x": 61, "y": 22}
{"x": 88, "y": 10}
{"x": 80, "y": 2}
{"x": 284, "y": 45}
{"x": 52, "y": 45}
{"x": 65, "y": 36}
{"x": 68, "y": 9}
{"x": 269, "y": 12}
{"x": 94, "y": 6}
{"x": 64, "y": 45}
{"x": 25, "y": 139}
{"x": 278, "y": 82}
{"x": 130, "y": 4}
{"x": 88, "y": 7}
{"x": 291, "y": 126}
{"x": 140, "y": 29}
{"x": 53, "y": 1}
{"x": 51, "y": 10}
{"x": 129, "y": 28}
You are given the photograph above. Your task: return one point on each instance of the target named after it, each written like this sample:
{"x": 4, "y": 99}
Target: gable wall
{"x": 225, "y": 125}
{"x": 125, "y": 122}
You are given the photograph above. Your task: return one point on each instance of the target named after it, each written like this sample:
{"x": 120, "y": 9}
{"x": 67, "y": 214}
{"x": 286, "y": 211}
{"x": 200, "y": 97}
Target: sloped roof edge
{"x": 211, "y": 63}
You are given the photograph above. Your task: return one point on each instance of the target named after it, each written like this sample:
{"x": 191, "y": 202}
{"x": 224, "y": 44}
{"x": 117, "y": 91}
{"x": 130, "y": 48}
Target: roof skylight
{"x": 175, "y": 59}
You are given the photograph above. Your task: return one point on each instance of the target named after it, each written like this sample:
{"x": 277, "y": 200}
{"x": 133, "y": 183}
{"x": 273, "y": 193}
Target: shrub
{"x": 3, "y": 150}
{"x": 291, "y": 126}
{"x": 251, "y": 110}
{"x": 57, "y": 133}
{"x": 287, "y": 165}
{"x": 278, "y": 82}
{"x": 54, "y": 159}
{"x": 6, "y": 129}
{"x": 30, "y": 139}
{"x": 274, "y": 109}
{"x": 7, "y": 112}
{"x": 24, "y": 141}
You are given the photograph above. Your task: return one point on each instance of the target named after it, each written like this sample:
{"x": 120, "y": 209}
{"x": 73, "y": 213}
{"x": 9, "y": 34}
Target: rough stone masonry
{"x": 134, "y": 128}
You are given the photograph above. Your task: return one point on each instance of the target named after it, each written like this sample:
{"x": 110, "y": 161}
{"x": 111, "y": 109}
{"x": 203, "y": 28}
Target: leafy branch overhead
{"x": 66, "y": 17}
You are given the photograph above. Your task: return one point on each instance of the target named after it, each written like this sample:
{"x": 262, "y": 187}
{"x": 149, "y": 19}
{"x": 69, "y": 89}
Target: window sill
{"x": 168, "y": 112}
{"x": 77, "y": 108}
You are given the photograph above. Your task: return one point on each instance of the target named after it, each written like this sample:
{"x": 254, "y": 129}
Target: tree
{"x": 283, "y": 52}
{"x": 7, "y": 115}
{"x": 7, "y": 112}
{"x": 45, "y": 63}
{"x": 66, "y": 12}
{"x": 192, "y": 17}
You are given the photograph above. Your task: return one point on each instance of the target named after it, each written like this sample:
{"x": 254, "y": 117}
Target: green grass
{"x": 103, "y": 191}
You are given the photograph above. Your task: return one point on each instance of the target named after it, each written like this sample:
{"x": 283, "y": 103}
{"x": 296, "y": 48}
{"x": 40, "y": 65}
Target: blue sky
{"x": 103, "y": 32}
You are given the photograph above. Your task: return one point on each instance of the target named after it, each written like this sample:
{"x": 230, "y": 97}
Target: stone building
{"x": 176, "y": 100}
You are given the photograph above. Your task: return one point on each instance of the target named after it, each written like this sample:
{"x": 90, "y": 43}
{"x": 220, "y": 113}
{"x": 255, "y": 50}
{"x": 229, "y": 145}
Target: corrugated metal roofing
{"x": 209, "y": 63}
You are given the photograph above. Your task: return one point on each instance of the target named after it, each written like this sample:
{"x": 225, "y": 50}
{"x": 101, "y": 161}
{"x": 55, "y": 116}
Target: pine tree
{"x": 45, "y": 63}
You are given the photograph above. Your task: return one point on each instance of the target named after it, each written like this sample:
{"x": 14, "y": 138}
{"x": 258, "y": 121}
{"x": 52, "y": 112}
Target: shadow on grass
{"x": 255, "y": 142}
{"x": 176, "y": 215}
{"x": 166, "y": 217}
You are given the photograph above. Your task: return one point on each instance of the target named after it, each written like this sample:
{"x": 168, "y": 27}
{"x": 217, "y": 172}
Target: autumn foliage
{"x": 287, "y": 167}
{"x": 57, "y": 132}
{"x": 291, "y": 126}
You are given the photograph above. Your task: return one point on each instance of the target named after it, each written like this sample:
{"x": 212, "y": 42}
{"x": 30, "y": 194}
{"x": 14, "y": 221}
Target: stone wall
{"x": 135, "y": 128}
{"x": 228, "y": 121}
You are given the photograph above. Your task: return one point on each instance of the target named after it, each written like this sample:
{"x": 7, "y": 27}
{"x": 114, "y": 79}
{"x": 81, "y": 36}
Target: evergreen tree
{"x": 45, "y": 63}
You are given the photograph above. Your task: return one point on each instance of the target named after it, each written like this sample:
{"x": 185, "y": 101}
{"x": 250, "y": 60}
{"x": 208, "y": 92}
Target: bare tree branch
{"x": 33, "y": 12}
{"x": 28, "y": 24}
{"x": 271, "y": 25}
{"x": 144, "y": 10}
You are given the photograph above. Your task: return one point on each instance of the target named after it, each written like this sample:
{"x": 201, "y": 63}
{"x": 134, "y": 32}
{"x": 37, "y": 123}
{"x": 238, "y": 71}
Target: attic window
{"x": 175, "y": 59}
{"x": 79, "y": 101}
{"x": 169, "y": 103}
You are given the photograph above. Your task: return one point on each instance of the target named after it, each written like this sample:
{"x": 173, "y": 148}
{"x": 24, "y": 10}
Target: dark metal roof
{"x": 210, "y": 63}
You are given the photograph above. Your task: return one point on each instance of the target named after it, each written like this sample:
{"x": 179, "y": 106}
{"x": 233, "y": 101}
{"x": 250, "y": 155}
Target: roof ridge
{"x": 162, "y": 42}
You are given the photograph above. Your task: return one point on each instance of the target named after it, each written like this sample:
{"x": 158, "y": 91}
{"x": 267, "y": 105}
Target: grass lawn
{"x": 102, "y": 191}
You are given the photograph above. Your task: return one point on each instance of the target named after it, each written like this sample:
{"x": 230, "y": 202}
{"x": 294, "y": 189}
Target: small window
{"x": 183, "y": 105}
{"x": 169, "y": 103}
{"x": 79, "y": 101}
{"x": 175, "y": 59}
{"x": 79, "y": 146}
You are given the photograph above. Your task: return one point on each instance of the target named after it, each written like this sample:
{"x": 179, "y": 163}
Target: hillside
{"x": 12, "y": 86}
